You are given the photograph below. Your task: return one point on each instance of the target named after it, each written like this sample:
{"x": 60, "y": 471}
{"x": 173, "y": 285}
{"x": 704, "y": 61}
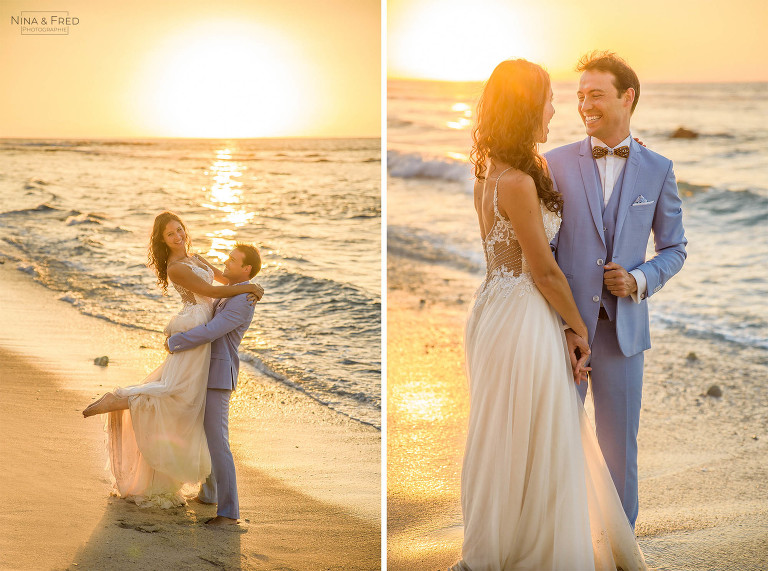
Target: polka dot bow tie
{"x": 600, "y": 152}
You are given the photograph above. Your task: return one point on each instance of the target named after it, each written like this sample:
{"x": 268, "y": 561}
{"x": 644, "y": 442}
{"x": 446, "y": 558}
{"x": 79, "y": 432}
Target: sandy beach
{"x": 308, "y": 478}
{"x": 703, "y": 460}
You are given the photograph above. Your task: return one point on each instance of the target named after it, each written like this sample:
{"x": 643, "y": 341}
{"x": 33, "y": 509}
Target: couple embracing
{"x": 172, "y": 429}
{"x": 538, "y": 491}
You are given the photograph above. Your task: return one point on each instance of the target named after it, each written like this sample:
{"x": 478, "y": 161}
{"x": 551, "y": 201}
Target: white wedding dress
{"x": 159, "y": 444}
{"x": 536, "y": 492}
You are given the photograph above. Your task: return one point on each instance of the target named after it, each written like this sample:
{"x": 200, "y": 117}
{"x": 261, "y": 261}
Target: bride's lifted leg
{"x": 108, "y": 403}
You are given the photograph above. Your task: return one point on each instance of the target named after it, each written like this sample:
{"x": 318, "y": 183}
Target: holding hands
{"x": 578, "y": 351}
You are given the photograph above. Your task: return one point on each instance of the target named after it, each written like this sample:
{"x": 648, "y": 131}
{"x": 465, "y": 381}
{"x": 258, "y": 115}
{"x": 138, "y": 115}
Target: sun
{"x": 458, "y": 40}
{"x": 225, "y": 80}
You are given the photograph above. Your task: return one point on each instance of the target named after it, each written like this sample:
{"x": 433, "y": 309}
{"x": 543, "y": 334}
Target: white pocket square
{"x": 642, "y": 200}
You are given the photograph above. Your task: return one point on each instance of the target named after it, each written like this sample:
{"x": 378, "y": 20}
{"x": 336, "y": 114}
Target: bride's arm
{"x": 519, "y": 203}
{"x": 218, "y": 275}
{"x": 183, "y": 275}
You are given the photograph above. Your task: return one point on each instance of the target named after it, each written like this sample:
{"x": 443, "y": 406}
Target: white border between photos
{"x": 383, "y": 193}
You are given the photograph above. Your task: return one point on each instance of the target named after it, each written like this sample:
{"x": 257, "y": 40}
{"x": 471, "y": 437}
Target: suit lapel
{"x": 628, "y": 188}
{"x": 591, "y": 185}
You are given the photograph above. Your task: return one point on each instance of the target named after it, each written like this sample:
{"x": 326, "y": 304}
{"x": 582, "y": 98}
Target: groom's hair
{"x": 624, "y": 76}
{"x": 251, "y": 257}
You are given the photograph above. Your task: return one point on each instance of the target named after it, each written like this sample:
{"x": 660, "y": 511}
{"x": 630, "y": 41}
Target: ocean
{"x": 722, "y": 176}
{"x": 76, "y": 216}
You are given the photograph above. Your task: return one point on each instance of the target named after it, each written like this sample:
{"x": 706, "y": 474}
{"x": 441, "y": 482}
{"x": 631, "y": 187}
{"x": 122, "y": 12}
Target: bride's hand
{"x": 639, "y": 142}
{"x": 256, "y": 293}
{"x": 578, "y": 351}
{"x": 581, "y": 370}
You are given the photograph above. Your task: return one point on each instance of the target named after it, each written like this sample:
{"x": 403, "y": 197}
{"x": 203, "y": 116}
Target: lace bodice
{"x": 189, "y": 298}
{"x": 503, "y": 255}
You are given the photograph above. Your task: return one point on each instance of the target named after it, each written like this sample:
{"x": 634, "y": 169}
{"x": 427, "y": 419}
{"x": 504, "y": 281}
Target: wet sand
{"x": 703, "y": 460}
{"x": 308, "y": 478}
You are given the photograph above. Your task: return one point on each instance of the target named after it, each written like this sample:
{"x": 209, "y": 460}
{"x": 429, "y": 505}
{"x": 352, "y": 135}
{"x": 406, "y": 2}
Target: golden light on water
{"x": 222, "y": 242}
{"x": 461, "y": 123}
{"x": 225, "y": 189}
{"x": 427, "y": 403}
{"x": 464, "y": 120}
{"x": 416, "y": 404}
{"x": 226, "y": 195}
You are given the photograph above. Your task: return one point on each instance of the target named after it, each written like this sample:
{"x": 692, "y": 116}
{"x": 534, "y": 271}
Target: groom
{"x": 615, "y": 193}
{"x": 231, "y": 318}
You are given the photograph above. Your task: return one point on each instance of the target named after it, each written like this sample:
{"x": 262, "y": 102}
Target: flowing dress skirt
{"x": 536, "y": 492}
{"x": 159, "y": 443}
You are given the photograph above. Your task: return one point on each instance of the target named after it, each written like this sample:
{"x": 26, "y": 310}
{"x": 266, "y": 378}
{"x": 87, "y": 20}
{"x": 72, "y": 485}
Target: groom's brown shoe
{"x": 200, "y": 501}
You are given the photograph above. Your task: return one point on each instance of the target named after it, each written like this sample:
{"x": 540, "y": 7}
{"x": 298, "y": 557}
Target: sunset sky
{"x": 664, "y": 40}
{"x": 148, "y": 68}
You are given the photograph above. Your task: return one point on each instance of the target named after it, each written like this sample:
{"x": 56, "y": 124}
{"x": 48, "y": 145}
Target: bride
{"x": 156, "y": 439}
{"x": 535, "y": 490}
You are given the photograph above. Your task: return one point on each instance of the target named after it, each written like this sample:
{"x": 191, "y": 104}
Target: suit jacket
{"x": 648, "y": 201}
{"x": 231, "y": 319}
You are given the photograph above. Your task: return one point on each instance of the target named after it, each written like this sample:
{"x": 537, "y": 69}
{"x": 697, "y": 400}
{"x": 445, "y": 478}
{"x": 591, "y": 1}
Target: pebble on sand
{"x": 101, "y": 361}
{"x": 714, "y": 391}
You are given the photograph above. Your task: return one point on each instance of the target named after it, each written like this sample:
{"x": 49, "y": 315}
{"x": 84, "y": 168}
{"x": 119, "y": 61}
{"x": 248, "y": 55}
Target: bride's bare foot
{"x": 107, "y": 403}
{"x": 88, "y": 411}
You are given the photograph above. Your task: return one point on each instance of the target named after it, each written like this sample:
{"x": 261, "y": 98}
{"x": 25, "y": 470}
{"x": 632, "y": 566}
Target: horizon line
{"x": 138, "y": 138}
{"x": 698, "y": 82}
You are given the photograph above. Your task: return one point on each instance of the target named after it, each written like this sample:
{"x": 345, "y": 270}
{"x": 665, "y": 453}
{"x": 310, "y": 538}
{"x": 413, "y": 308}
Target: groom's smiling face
{"x": 604, "y": 112}
{"x": 234, "y": 270}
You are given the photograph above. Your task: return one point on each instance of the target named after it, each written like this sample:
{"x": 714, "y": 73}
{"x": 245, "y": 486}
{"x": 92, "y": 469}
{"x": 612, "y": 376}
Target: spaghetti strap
{"x": 496, "y": 193}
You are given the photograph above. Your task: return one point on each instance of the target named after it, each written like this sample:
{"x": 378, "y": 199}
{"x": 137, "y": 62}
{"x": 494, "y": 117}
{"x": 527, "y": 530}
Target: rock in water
{"x": 101, "y": 361}
{"x": 683, "y": 133}
{"x": 714, "y": 391}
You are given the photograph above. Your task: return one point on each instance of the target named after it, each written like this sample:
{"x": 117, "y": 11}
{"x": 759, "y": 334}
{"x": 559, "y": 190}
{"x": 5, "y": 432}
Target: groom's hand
{"x": 165, "y": 345}
{"x": 618, "y": 280}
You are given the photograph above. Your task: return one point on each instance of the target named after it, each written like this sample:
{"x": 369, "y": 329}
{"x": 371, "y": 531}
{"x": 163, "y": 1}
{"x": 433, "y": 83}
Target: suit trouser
{"x": 221, "y": 486}
{"x": 617, "y": 386}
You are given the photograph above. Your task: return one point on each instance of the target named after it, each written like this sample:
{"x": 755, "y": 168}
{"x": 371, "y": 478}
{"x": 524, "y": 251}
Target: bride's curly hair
{"x": 158, "y": 251}
{"x": 509, "y": 120}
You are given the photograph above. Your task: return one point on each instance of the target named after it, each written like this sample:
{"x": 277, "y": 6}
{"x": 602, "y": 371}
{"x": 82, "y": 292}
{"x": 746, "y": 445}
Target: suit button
{"x": 595, "y": 298}
{"x": 605, "y": 229}
{"x": 600, "y": 261}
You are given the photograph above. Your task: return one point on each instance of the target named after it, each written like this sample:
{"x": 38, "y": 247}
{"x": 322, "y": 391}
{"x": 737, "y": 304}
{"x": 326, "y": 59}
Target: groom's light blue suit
{"x": 592, "y": 234}
{"x": 231, "y": 319}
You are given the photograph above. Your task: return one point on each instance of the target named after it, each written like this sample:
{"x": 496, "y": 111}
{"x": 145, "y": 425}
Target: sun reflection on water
{"x": 462, "y": 122}
{"x": 226, "y": 192}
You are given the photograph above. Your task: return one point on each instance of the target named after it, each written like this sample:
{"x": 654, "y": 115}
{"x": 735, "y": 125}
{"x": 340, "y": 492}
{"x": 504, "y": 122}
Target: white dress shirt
{"x": 609, "y": 167}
